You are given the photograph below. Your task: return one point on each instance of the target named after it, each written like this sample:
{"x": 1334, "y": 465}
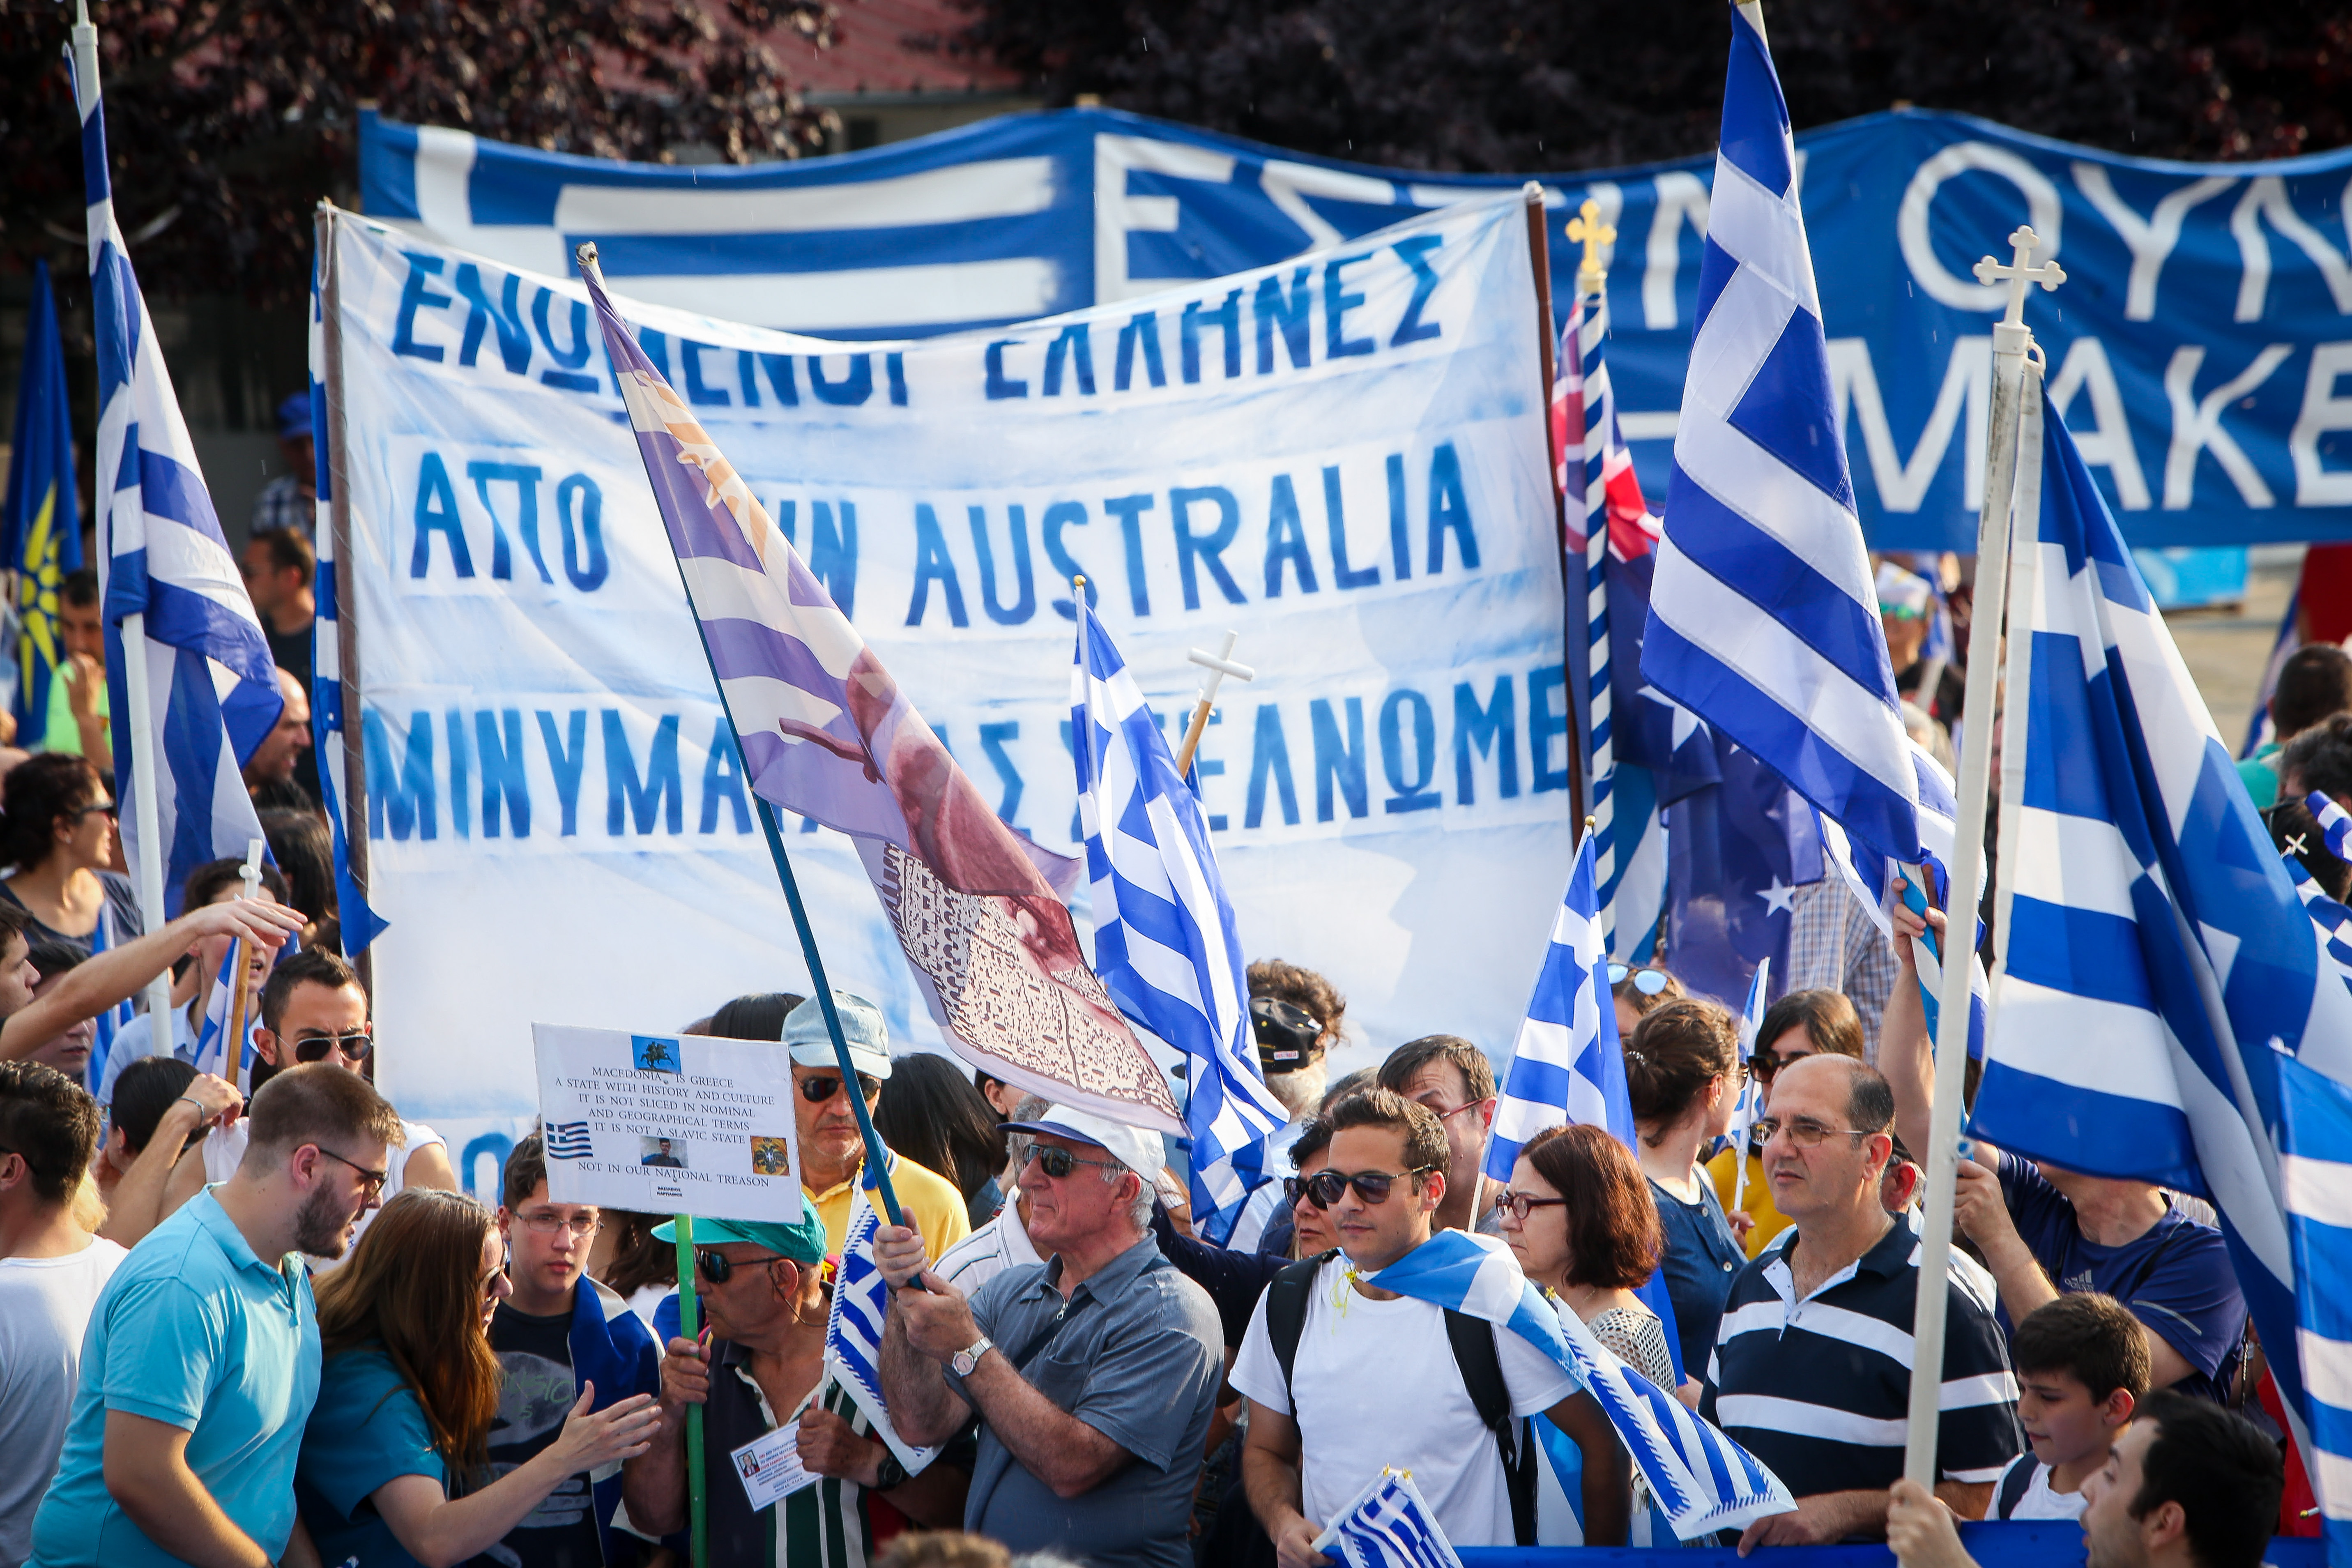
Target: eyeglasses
{"x": 370, "y": 1181}
{"x": 1324, "y": 1187}
{"x": 354, "y": 1046}
{"x": 817, "y": 1090}
{"x": 1467, "y": 1105}
{"x": 1058, "y": 1163}
{"x": 1519, "y": 1206}
{"x": 546, "y": 1222}
{"x": 490, "y": 1280}
{"x": 1648, "y": 982}
{"x": 715, "y": 1266}
{"x": 1803, "y": 1134}
{"x": 111, "y": 808}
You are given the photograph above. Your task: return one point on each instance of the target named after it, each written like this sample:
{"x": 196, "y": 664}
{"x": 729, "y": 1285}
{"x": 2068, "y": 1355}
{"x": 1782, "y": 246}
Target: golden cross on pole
{"x": 1587, "y": 230}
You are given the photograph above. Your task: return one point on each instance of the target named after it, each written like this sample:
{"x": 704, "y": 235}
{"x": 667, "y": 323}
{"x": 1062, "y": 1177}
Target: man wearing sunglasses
{"x": 1093, "y": 1376}
{"x": 833, "y": 1149}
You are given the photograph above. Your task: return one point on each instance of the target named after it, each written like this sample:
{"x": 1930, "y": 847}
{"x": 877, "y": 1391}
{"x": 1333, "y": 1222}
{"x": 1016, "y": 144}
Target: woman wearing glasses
{"x": 56, "y": 841}
{"x": 395, "y": 1468}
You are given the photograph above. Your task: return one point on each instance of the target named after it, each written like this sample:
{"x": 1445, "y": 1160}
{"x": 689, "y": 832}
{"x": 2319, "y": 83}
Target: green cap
{"x": 801, "y": 1241}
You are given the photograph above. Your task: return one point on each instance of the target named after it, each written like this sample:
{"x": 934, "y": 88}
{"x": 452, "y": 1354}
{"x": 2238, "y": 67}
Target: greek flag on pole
{"x": 213, "y": 1053}
{"x": 214, "y": 685}
{"x": 2335, "y": 823}
{"x": 360, "y": 925}
{"x": 2333, "y": 921}
{"x": 852, "y": 1330}
{"x": 2155, "y": 946}
{"x": 1390, "y": 1525}
{"x": 1164, "y": 940}
{"x": 1764, "y": 616}
{"x": 2315, "y": 1176}
{"x": 1702, "y": 1480}
{"x": 103, "y": 937}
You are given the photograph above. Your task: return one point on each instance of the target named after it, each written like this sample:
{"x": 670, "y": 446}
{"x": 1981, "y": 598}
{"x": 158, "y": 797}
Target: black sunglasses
{"x": 354, "y": 1046}
{"x": 1324, "y": 1187}
{"x": 817, "y": 1090}
{"x": 111, "y": 808}
{"x": 715, "y": 1268}
{"x": 1057, "y": 1162}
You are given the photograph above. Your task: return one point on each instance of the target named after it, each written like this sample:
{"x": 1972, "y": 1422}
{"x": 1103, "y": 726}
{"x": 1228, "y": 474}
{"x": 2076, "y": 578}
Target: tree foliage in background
{"x": 226, "y": 120}
{"x": 1526, "y": 85}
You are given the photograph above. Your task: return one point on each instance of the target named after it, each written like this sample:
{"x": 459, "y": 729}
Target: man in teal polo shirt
{"x": 201, "y": 1360}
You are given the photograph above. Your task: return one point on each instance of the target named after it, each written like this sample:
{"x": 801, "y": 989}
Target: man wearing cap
{"x": 832, "y": 1149}
{"x": 292, "y": 500}
{"x": 762, "y": 1367}
{"x": 1093, "y": 1374}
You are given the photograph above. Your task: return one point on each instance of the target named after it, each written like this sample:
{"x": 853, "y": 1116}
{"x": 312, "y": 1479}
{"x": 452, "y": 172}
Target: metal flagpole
{"x": 2009, "y": 343}
{"x": 138, "y": 701}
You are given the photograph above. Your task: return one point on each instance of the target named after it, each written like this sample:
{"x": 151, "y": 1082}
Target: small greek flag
{"x": 1701, "y": 1479}
{"x": 569, "y": 1141}
{"x": 1390, "y": 1525}
{"x": 2315, "y": 1176}
{"x": 213, "y": 1055}
{"x": 853, "y": 1332}
{"x": 1751, "y": 1090}
{"x": 2335, "y": 823}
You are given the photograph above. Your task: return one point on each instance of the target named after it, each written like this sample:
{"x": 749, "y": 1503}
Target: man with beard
{"x": 201, "y": 1362}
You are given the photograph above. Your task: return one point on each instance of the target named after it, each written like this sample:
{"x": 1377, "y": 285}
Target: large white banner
{"x": 1341, "y": 459}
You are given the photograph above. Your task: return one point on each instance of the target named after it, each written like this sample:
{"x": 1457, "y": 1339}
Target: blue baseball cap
{"x": 294, "y": 416}
{"x": 862, "y": 1029}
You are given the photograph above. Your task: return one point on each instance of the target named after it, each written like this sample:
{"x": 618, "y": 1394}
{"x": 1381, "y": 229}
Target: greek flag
{"x": 1164, "y": 940}
{"x": 1567, "y": 1064}
{"x": 2333, "y": 921}
{"x": 1751, "y": 1089}
{"x": 213, "y": 1053}
{"x": 2335, "y": 823}
{"x": 214, "y": 685}
{"x": 1390, "y": 1525}
{"x": 2315, "y": 1177}
{"x": 2156, "y": 950}
{"x": 853, "y": 1329}
{"x": 360, "y": 925}
{"x": 1701, "y": 1479}
{"x": 1764, "y": 616}
{"x": 569, "y": 1141}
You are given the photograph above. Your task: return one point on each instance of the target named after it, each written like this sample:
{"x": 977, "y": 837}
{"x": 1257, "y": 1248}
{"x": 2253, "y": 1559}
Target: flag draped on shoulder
{"x": 1165, "y": 944}
{"x": 1763, "y": 617}
{"x": 823, "y": 730}
{"x": 214, "y": 685}
{"x": 1701, "y": 1479}
{"x": 853, "y": 1329}
{"x": 2155, "y": 948}
{"x": 40, "y": 533}
{"x": 2315, "y": 1178}
{"x": 1390, "y": 1525}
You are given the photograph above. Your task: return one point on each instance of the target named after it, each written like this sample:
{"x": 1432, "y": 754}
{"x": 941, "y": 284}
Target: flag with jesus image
{"x": 823, "y": 730}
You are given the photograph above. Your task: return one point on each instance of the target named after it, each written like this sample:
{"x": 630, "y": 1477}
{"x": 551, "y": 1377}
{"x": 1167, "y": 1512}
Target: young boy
{"x": 2081, "y": 1369}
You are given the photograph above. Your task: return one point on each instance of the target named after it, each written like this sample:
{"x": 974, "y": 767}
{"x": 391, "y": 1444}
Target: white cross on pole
{"x": 1219, "y": 665}
{"x": 233, "y": 1048}
{"x": 2018, "y": 274}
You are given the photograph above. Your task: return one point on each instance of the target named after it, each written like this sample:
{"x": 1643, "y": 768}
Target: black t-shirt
{"x": 536, "y": 1393}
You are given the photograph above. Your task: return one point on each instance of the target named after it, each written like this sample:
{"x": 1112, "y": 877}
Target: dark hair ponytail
{"x": 1672, "y": 1055}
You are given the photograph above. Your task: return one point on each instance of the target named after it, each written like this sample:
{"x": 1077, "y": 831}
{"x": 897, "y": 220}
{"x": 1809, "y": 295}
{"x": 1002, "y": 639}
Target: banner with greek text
{"x": 1341, "y": 459}
{"x": 2201, "y": 352}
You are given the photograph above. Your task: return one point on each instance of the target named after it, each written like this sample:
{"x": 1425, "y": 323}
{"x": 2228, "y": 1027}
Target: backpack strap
{"x": 2015, "y": 1483}
{"x": 1480, "y": 1363}
{"x": 1286, "y": 1312}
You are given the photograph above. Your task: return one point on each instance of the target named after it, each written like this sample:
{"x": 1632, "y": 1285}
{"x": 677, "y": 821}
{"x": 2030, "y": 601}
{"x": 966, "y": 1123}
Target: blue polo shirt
{"x": 369, "y": 1428}
{"x": 195, "y": 1331}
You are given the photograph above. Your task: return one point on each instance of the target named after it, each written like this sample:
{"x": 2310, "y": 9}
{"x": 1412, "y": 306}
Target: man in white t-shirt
{"x": 51, "y": 1271}
{"x": 1377, "y": 1380}
{"x": 314, "y": 1009}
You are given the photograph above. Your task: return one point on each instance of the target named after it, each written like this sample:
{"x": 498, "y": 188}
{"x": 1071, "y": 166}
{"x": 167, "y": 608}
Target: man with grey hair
{"x": 1095, "y": 1406}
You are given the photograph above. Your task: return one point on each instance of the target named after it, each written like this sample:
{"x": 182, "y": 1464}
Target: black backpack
{"x": 1473, "y": 1340}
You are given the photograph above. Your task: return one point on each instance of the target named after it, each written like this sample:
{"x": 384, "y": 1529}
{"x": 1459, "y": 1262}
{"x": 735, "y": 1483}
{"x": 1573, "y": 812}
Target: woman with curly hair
{"x": 57, "y": 840}
{"x": 394, "y": 1468}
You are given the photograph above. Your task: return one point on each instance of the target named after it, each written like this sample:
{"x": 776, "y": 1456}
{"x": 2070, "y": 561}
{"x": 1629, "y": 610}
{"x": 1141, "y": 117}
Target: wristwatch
{"x": 964, "y": 1361}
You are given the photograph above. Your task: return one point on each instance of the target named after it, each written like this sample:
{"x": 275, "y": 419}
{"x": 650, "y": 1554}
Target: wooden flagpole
{"x": 1539, "y": 255}
{"x": 347, "y": 630}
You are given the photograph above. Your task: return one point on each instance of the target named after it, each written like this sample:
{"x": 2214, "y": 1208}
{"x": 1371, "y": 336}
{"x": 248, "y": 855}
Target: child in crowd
{"x": 2081, "y": 1369}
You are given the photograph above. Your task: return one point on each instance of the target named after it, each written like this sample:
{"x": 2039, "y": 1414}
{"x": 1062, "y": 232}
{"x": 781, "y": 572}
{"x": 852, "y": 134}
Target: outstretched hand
{"x": 590, "y": 1440}
{"x": 250, "y": 919}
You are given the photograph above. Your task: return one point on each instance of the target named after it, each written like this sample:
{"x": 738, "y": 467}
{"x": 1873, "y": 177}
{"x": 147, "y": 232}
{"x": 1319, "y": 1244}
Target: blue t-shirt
{"x": 368, "y": 1429}
{"x": 2176, "y": 1278}
{"x": 195, "y": 1331}
{"x": 1701, "y": 1260}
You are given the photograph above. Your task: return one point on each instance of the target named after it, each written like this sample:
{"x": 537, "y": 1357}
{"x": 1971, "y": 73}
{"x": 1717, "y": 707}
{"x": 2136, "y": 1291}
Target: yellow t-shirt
{"x": 1770, "y": 1221}
{"x": 932, "y": 1203}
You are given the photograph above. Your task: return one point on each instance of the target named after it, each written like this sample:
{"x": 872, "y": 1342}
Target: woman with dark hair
{"x": 305, "y": 852}
{"x": 395, "y": 1467}
{"x": 1801, "y": 1024}
{"x": 931, "y": 1113}
{"x": 1682, "y": 1073}
{"x": 57, "y": 838}
{"x": 759, "y": 1016}
{"x": 1639, "y": 989}
{"x": 637, "y": 1265}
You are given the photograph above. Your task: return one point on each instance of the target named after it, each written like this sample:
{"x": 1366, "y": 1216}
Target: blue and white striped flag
{"x": 360, "y": 925}
{"x": 1164, "y": 940}
{"x": 569, "y": 1141}
{"x": 213, "y": 1054}
{"x": 852, "y": 1330}
{"x": 213, "y": 685}
{"x": 111, "y": 1023}
{"x": 1701, "y": 1479}
{"x": 2315, "y": 1178}
{"x": 2156, "y": 947}
{"x": 1390, "y": 1525}
{"x": 1764, "y": 615}
{"x": 2333, "y": 921}
{"x": 2335, "y": 823}
{"x": 1751, "y": 1088}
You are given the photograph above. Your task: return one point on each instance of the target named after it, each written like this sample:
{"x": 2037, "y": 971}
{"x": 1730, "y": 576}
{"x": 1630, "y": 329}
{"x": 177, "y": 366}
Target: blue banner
{"x": 2200, "y": 352}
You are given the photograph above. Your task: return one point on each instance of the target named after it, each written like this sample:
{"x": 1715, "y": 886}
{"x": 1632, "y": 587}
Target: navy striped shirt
{"x": 1819, "y": 1389}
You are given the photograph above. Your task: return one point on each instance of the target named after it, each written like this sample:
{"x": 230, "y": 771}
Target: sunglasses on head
{"x": 817, "y": 1090}
{"x": 715, "y": 1266}
{"x": 1324, "y": 1187}
{"x": 1648, "y": 982}
{"x": 354, "y": 1046}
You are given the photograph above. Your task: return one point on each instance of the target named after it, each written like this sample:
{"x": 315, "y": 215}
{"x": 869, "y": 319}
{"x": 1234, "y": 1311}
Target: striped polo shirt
{"x": 1819, "y": 1388}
